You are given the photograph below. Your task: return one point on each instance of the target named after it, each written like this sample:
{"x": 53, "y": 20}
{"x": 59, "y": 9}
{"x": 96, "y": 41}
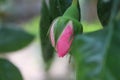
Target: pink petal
{"x": 65, "y": 40}
{"x": 52, "y": 32}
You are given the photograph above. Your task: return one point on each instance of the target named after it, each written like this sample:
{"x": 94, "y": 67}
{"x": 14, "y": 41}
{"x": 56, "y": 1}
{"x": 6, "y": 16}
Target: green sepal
{"x": 78, "y": 28}
{"x": 73, "y": 11}
{"x": 61, "y": 24}
{"x": 59, "y": 27}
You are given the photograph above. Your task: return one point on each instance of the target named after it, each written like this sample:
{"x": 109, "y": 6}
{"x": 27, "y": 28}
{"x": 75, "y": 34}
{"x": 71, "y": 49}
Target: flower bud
{"x": 64, "y": 28}
{"x": 64, "y": 41}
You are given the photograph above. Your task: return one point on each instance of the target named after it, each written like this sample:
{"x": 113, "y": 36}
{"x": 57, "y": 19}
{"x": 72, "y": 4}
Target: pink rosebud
{"x": 62, "y": 46}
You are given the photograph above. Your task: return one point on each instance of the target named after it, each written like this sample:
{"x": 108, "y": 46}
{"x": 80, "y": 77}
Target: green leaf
{"x": 58, "y": 7}
{"x": 113, "y": 52}
{"x": 2, "y": 1}
{"x": 98, "y": 53}
{"x": 47, "y": 49}
{"x": 12, "y": 39}
{"x": 8, "y": 71}
{"x": 90, "y": 49}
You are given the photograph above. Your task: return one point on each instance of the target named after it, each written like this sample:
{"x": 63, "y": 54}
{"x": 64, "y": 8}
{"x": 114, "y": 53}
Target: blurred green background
{"x": 21, "y": 54}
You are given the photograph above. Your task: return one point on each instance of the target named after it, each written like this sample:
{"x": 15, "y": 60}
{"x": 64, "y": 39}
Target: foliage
{"x": 99, "y": 50}
{"x": 96, "y": 54}
{"x": 2, "y": 1}
{"x": 12, "y": 38}
{"x": 104, "y": 7}
{"x": 15, "y": 37}
{"x": 8, "y": 71}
